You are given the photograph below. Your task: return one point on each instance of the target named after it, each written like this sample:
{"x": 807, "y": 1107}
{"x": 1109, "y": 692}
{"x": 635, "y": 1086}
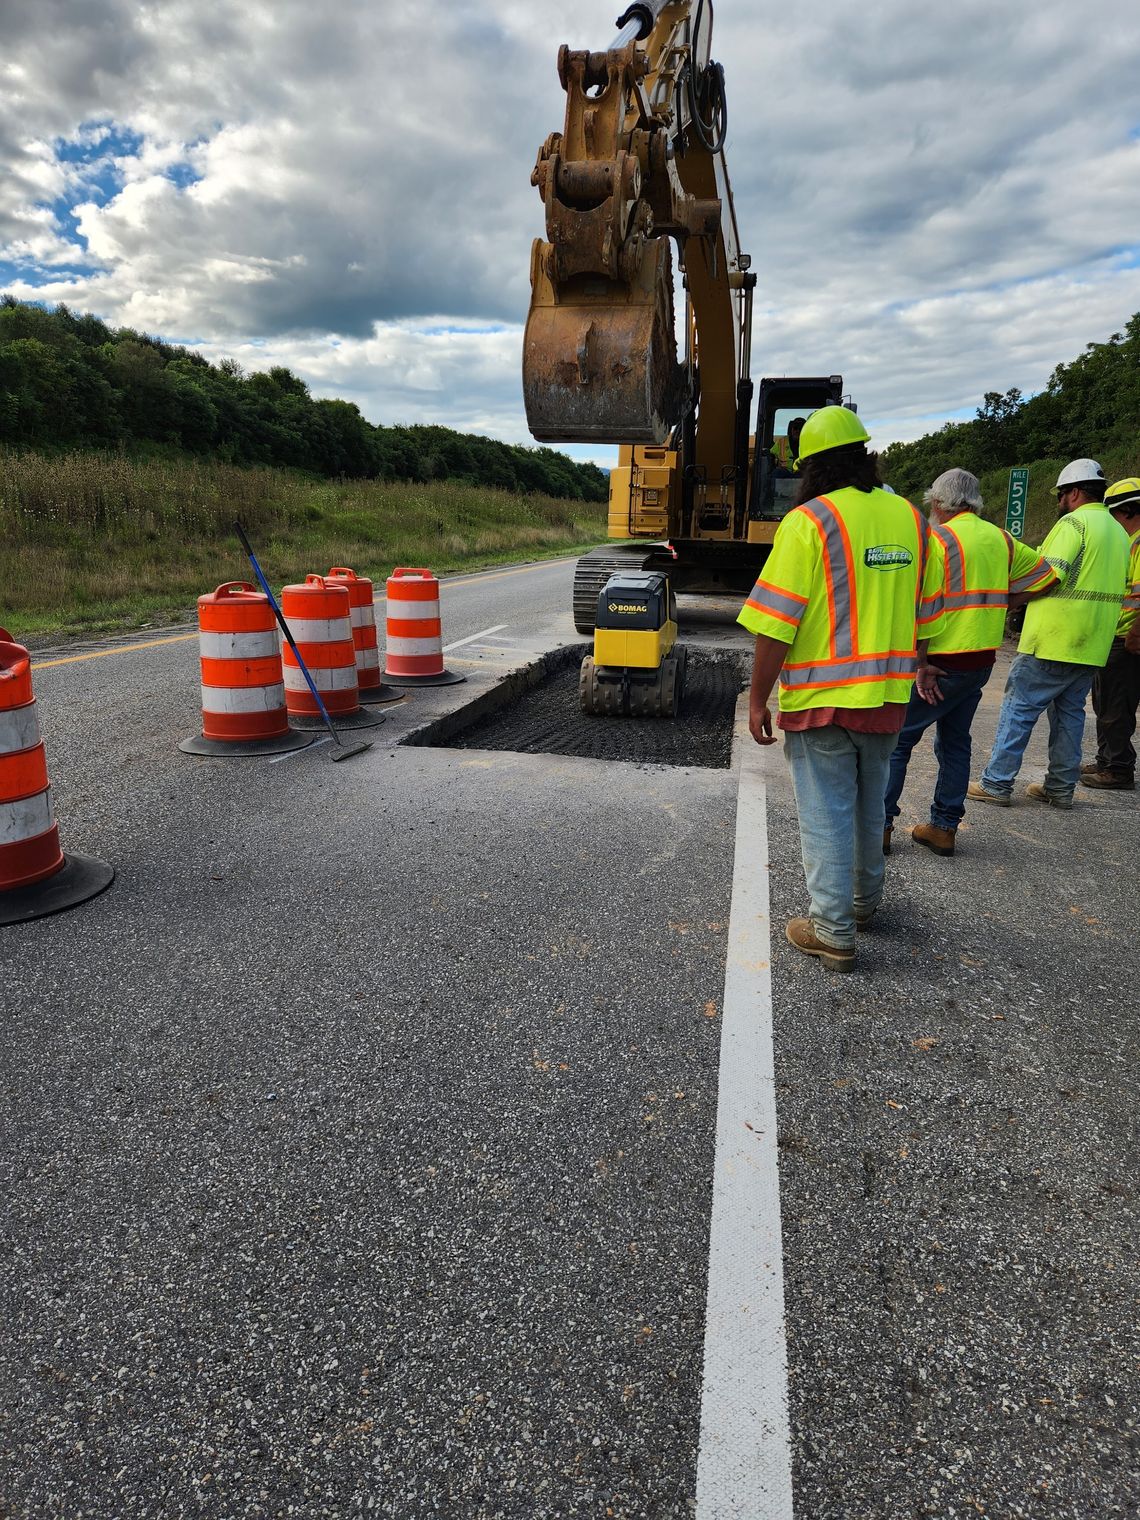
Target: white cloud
{"x": 935, "y": 200}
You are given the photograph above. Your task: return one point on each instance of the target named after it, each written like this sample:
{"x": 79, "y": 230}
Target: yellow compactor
{"x": 637, "y": 668}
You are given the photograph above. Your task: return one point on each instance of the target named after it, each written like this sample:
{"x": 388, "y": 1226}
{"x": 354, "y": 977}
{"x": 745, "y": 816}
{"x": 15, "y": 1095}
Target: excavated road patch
{"x": 539, "y": 715}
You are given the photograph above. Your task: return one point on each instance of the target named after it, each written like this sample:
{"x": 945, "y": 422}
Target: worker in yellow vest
{"x": 1116, "y": 688}
{"x": 1066, "y": 639}
{"x": 982, "y": 565}
{"x": 849, "y": 586}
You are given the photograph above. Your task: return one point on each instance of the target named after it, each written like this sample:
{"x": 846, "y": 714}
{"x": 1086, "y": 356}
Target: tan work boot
{"x": 978, "y": 792}
{"x": 887, "y": 832}
{"x": 801, "y": 934}
{"x": 941, "y": 841}
{"x": 1108, "y": 781}
{"x": 1054, "y": 799}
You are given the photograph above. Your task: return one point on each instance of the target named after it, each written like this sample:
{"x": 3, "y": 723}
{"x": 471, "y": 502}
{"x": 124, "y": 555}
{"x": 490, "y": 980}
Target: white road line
{"x": 308, "y": 749}
{"x": 744, "y": 1469}
{"x": 471, "y": 638}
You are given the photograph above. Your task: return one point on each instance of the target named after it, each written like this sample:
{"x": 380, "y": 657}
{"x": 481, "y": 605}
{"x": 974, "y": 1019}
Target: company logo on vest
{"x": 887, "y": 557}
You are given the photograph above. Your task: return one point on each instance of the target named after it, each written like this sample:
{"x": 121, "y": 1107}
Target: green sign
{"x": 1015, "y": 506}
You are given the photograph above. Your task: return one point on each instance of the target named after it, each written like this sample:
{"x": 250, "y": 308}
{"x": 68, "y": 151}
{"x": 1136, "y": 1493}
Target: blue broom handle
{"x": 284, "y": 625}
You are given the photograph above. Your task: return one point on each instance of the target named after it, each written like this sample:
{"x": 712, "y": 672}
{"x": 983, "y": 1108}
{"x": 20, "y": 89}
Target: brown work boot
{"x": 941, "y": 841}
{"x": 1108, "y": 781}
{"x": 887, "y": 839}
{"x": 978, "y": 792}
{"x": 1062, "y": 800}
{"x": 1089, "y": 766}
{"x": 801, "y": 934}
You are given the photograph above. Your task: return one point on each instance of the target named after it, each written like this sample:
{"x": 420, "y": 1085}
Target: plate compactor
{"x": 637, "y": 667}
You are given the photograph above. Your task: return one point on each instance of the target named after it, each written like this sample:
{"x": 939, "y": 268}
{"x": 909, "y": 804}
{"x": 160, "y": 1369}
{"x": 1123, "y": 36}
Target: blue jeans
{"x": 961, "y": 693}
{"x": 839, "y": 778}
{"x": 1036, "y": 686}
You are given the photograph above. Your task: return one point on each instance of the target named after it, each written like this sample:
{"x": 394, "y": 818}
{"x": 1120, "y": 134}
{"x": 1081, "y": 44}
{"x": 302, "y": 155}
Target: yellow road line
{"x": 97, "y": 654}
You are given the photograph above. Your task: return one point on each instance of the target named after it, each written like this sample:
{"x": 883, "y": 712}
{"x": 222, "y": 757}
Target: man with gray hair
{"x": 982, "y": 565}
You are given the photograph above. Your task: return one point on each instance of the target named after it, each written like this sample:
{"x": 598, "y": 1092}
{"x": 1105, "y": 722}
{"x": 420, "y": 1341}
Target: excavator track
{"x": 592, "y": 572}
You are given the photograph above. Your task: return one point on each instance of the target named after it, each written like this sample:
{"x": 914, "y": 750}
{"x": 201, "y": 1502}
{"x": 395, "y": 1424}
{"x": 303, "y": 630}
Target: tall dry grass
{"x": 91, "y": 541}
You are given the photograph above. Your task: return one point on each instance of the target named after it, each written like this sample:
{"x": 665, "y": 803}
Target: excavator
{"x": 639, "y": 165}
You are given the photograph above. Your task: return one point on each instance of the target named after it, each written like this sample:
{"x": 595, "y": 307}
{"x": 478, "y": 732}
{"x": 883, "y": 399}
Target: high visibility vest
{"x": 983, "y": 564}
{"x": 849, "y": 586}
{"x": 1130, "y": 608}
{"x": 1076, "y": 623}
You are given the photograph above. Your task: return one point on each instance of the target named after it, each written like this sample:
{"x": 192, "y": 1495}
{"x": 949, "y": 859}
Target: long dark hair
{"x": 849, "y": 465}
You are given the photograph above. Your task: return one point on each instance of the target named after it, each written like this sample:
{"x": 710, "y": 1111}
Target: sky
{"x": 938, "y": 201}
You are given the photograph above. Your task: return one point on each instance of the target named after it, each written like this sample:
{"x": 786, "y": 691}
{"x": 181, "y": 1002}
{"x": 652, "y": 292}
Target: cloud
{"x": 937, "y": 203}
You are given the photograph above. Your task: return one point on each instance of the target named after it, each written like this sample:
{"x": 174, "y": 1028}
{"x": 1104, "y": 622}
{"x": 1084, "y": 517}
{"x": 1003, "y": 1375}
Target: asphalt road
{"x": 357, "y": 1145}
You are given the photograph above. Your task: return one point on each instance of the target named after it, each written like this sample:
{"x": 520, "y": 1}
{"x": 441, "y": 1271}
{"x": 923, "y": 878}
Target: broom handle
{"x": 240, "y": 531}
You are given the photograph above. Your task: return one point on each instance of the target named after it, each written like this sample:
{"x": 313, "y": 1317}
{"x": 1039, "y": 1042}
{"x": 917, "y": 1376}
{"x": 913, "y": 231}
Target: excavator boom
{"x": 637, "y": 164}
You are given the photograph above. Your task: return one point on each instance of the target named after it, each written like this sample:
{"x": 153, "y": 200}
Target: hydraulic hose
{"x": 706, "y": 94}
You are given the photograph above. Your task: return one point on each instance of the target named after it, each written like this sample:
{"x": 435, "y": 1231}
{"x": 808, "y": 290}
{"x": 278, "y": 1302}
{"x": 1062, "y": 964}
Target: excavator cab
{"x": 782, "y": 401}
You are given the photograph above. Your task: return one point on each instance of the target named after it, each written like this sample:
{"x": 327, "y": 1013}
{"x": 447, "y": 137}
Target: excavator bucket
{"x": 600, "y": 361}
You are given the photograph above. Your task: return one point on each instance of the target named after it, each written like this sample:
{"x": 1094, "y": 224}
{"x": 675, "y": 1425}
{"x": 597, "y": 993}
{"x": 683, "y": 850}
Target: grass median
{"x": 95, "y": 543}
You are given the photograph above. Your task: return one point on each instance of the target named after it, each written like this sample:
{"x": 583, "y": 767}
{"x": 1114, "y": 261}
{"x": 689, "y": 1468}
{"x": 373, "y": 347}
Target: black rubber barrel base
{"x": 377, "y": 696}
{"x": 358, "y": 719}
{"x": 280, "y": 744}
{"x": 445, "y": 678}
{"x": 81, "y": 879}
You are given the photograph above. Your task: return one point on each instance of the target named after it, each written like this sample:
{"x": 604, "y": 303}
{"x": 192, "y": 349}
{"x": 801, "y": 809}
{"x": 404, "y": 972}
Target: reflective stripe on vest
{"x": 979, "y": 556}
{"x": 848, "y": 666}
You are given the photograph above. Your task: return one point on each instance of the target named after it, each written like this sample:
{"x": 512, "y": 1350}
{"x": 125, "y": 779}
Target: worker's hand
{"x": 1132, "y": 642}
{"x": 926, "y": 683}
{"x": 760, "y": 725}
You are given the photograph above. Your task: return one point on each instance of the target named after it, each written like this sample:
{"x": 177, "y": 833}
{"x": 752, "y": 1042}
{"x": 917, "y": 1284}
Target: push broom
{"x": 343, "y": 751}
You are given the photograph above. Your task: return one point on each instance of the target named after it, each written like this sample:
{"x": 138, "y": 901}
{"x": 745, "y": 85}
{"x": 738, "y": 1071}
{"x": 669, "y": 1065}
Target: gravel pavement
{"x": 959, "y": 1166}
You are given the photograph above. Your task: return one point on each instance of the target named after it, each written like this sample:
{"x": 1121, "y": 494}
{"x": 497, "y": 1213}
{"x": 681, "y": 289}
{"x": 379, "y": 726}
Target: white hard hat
{"x": 1078, "y": 472}
{"x": 890, "y": 490}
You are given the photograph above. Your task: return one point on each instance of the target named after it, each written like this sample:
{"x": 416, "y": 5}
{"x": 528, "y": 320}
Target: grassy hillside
{"x": 95, "y": 542}
{"x": 1041, "y": 510}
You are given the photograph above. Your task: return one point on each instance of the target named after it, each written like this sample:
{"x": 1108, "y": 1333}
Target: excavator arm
{"x": 639, "y": 165}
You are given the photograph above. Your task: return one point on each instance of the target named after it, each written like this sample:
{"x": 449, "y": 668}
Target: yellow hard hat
{"x": 831, "y": 427}
{"x": 1124, "y": 493}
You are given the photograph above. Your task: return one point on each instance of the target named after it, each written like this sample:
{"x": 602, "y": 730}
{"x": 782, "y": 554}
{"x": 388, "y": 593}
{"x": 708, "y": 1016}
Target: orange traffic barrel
{"x": 362, "y": 613}
{"x": 413, "y": 653}
{"x": 36, "y": 877}
{"x": 243, "y": 690}
{"x": 319, "y": 616}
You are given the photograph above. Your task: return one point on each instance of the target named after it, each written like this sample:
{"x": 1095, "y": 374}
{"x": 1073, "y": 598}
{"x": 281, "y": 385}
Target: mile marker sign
{"x": 1015, "y": 505}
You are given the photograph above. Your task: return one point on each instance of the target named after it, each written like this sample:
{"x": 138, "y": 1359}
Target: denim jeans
{"x": 1036, "y": 686}
{"x": 961, "y": 693}
{"x": 839, "y": 778}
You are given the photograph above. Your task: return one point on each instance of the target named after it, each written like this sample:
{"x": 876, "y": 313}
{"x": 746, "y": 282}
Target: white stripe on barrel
{"x": 19, "y": 729}
{"x": 26, "y": 819}
{"x": 243, "y": 699}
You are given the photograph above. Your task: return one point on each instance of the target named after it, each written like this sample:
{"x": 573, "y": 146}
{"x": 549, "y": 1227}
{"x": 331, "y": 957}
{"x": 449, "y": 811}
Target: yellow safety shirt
{"x": 1076, "y": 623}
{"x": 1130, "y": 608}
{"x": 849, "y": 586}
{"x": 983, "y": 564}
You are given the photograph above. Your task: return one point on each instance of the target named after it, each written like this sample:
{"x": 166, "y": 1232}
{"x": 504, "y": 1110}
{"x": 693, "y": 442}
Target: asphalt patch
{"x": 544, "y": 718}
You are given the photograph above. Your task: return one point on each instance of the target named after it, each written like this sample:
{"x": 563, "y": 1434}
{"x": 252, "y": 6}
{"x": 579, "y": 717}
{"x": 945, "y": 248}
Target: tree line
{"x": 69, "y": 381}
{"x": 1089, "y": 406}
